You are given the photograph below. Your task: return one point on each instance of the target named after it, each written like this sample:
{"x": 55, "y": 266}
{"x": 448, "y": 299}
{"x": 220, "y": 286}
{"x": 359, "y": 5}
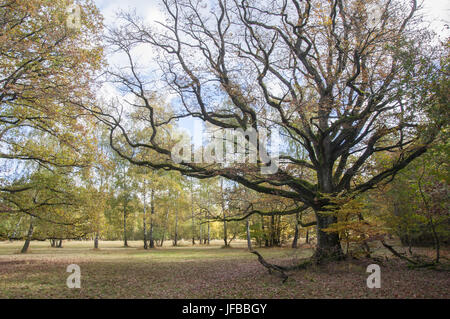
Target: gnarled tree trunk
{"x": 328, "y": 244}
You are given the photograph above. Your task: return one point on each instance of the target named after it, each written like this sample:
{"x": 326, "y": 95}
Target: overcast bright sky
{"x": 437, "y": 11}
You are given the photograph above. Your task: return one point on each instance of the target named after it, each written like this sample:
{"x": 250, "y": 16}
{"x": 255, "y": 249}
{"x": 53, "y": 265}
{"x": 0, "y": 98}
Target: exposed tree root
{"x": 279, "y": 270}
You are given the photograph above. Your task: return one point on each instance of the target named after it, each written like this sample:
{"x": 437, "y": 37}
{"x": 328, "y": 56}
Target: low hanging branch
{"x": 397, "y": 254}
{"x": 45, "y": 238}
{"x": 415, "y": 264}
{"x": 247, "y": 213}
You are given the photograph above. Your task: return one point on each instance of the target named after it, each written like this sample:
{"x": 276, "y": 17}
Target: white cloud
{"x": 437, "y": 13}
{"x": 149, "y": 9}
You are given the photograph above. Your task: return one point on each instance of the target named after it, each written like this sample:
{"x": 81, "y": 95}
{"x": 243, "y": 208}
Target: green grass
{"x": 195, "y": 272}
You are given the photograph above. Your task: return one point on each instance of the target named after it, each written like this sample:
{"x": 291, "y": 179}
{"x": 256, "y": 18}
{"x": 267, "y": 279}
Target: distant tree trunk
{"x": 192, "y": 212}
{"x": 278, "y": 232}
{"x": 96, "y": 241}
{"x": 249, "y": 238}
{"x": 437, "y": 244}
{"x": 272, "y": 231}
{"x": 152, "y": 211}
{"x": 436, "y": 241}
{"x": 193, "y": 228}
{"x": 225, "y": 235}
{"x": 29, "y": 235}
{"x": 60, "y": 243}
{"x": 209, "y": 233}
{"x": 175, "y": 240}
{"x": 294, "y": 242}
{"x": 52, "y": 243}
{"x": 232, "y": 238}
{"x": 193, "y": 225}
{"x": 125, "y": 241}
{"x": 266, "y": 241}
{"x": 163, "y": 237}
{"x": 201, "y": 233}
{"x": 144, "y": 219}
{"x": 365, "y": 245}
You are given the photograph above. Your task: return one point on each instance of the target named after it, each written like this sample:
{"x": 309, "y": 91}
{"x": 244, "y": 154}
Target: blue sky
{"x": 437, "y": 13}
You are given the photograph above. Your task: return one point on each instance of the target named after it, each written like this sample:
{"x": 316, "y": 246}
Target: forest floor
{"x": 201, "y": 272}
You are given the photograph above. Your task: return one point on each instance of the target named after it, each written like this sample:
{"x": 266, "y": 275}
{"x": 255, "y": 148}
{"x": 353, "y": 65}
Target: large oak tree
{"x": 342, "y": 80}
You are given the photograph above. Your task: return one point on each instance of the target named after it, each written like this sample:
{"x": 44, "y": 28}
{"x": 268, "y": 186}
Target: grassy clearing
{"x": 197, "y": 272}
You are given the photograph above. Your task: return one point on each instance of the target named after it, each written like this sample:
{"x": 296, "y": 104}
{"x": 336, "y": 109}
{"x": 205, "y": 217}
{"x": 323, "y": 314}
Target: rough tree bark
{"x": 328, "y": 244}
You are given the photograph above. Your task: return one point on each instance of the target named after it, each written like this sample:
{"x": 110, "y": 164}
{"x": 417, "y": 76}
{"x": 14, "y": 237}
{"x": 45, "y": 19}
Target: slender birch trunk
{"x": 175, "y": 240}
{"x": 29, "y": 235}
{"x": 144, "y": 218}
{"x": 125, "y": 241}
{"x": 152, "y": 211}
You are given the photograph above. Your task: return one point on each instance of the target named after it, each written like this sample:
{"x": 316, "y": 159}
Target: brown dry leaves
{"x": 203, "y": 273}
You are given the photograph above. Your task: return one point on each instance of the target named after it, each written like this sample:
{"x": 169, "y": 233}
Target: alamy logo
{"x": 228, "y": 146}
{"x": 74, "y": 17}
{"x": 74, "y": 280}
{"x": 374, "y": 12}
{"x": 374, "y": 279}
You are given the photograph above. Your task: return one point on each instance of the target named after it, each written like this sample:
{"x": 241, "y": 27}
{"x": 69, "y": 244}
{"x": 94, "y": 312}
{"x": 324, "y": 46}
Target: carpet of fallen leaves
{"x": 200, "y": 272}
